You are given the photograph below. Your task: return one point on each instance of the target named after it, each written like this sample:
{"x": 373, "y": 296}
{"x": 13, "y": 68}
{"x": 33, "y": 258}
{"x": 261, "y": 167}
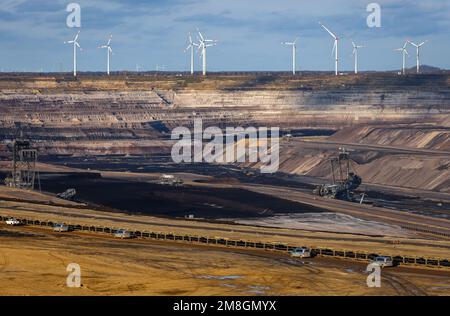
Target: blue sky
{"x": 154, "y": 32}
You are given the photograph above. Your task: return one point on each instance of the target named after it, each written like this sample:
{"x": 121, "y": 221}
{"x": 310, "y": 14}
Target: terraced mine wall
{"x": 95, "y": 108}
{"x": 133, "y": 115}
{"x": 409, "y": 170}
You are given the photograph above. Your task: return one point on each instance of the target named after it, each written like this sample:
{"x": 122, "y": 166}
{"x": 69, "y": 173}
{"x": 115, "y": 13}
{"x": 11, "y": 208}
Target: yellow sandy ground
{"x": 36, "y": 265}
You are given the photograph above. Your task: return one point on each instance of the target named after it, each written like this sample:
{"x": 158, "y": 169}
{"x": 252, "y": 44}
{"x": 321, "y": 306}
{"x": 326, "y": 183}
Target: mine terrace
{"x": 104, "y": 144}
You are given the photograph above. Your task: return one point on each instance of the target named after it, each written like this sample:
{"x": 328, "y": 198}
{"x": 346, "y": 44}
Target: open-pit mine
{"x": 100, "y": 150}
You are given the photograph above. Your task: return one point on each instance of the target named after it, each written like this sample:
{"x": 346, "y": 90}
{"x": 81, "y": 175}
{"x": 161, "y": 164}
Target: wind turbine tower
{"x": 418, "y": 46}
{"x": 191, "y": 47}
{"x": 404, "y": 53}
{"x": 108, "y": 53}
{"x": 75, "y": 45}
{"x": 335, "y": 47}
{"x": 204, "y": 43}
{"x": 355, "y": 54}
{"x": 294, "y": 53}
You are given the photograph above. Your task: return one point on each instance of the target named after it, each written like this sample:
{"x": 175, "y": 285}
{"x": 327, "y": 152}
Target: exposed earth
{"x": 110, "y": 139}
{"x": 35, "y": 264}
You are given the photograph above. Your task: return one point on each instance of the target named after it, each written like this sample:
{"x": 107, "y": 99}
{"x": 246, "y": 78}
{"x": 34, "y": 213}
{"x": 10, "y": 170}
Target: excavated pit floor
{"x": 233, "y": 174}
{"x": 155, "y": 199}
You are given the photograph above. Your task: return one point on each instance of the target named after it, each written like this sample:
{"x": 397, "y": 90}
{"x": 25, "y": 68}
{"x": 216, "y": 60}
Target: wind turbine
{"x": 75, "y": 44}
{"x": 335, "y": 47}
{"x": 108, "y": 52}
{"x": 294, "y": 53}
{"x": 418, "y": 46}
{"x": 204, "y": 43}
{"x": 160, "y": 67}
{"x": 355, "y": 53}
{"x": 191, "y": 47}
{"x": 404, "y": 53}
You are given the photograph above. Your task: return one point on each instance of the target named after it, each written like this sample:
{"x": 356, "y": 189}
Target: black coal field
{"x": 137, "y": 197}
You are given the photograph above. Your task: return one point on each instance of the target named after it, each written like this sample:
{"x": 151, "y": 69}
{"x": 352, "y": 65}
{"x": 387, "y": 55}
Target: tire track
{"x": 4, "y": 263}
{"x": 402, "y": 286}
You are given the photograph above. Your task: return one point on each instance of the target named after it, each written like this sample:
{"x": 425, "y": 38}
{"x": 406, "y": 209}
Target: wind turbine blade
{"x": 334, "y": 48}
{"x": 76, "y": 36}
{"x": 200, "y": 34}
{"x": 423, "y": 43}
{"x": 326, "y": 29}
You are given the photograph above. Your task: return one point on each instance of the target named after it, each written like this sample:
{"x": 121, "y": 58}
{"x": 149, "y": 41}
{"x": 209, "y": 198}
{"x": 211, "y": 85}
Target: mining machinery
{"x": 23, "y": 173}
{"x": 171, "y": 180}
{"x": 345, "y": 181}
{"x": 69, "y": 194}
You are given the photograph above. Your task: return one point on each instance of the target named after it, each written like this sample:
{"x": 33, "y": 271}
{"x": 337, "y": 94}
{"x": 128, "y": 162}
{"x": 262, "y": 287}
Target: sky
{"x": 152, "y": 33}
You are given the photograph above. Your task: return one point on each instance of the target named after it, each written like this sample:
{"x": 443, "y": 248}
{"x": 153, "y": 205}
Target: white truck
{"x": 123, "y": 234}
{"x": 383, "y": 261}
{"x": 301, "y": 252}
{"x": 60, "y": 228}
{"x": 13, "y": 222}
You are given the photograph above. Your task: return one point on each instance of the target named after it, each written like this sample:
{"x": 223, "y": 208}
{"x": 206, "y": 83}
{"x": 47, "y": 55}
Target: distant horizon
{"x": 410, "y": 71}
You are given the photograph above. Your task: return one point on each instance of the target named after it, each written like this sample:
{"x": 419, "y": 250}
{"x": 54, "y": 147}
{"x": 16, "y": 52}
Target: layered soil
{"x": 134, "y": 115}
